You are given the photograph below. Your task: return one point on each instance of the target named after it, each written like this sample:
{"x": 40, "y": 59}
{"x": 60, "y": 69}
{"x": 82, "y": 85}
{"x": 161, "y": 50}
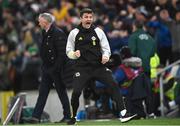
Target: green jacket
{"x": 143, "y": 46}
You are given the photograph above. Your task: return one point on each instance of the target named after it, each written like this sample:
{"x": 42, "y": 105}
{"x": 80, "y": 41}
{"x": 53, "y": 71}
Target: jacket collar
{"x": 82, "y": 29}
{"x": 49, "y": 31}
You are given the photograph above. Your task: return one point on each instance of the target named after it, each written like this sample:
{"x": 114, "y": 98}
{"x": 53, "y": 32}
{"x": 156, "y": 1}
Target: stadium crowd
{"x": 20, "y": 36}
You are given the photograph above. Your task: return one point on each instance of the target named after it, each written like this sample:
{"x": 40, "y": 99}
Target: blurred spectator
{"x": 4, "y": 78}
{"x": 171, "y": 93}
{"x": 142, "y": 45}
{"x": 141, "y": 14}
{"x": 163, "y": 37}
{"x": 119, "y": 36}
{"x": 154, "y": 63}
{"x": 1, "y": 9}
{"x": 176, "y": 100}
{"x": 174, "y": 26}
{"x": 61, "y": 13}
{"x": 134, "y": 84}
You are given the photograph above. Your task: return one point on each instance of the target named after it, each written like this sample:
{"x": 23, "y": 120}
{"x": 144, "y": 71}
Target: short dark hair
{"x": 85, "y": 10}
{"x": 138, "y": 24}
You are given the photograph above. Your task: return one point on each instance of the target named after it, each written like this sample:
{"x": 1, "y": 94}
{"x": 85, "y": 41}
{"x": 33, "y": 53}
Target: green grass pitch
{"x": 115, "y": 122}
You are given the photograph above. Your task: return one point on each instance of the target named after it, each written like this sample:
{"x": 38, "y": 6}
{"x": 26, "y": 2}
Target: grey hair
{"x": 48, "y": 17}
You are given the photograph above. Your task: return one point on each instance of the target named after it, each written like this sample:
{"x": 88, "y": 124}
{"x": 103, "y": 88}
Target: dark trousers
{"x": 165, "y": 54}
{"x": 45, "y": 86}
{"x": 102, "y": 74}
{"x": 149, "y": 101}
{"x": 177, "y": 100}
{"x": 136, "y": 107}
{"x": 140, "y": 90}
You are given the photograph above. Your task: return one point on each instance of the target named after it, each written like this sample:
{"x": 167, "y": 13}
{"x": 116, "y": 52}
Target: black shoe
{"x": 31, "y": 120}
{"x": 127, "y": 117}
{"x": 63, "y": 120}
{"x": 72, "y": 121}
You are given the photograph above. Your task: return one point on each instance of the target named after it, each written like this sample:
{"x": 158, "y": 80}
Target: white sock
{"x": 123, "y": 112}
{"x": 172, "y": 103}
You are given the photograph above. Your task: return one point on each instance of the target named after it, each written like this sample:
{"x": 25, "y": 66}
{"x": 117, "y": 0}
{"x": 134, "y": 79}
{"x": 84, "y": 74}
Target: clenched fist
{"x": 77, "y": 53}
{"x": 105, "y": 59}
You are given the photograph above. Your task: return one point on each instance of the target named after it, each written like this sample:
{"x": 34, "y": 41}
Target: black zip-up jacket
{"x": 89, "y": 46}
{"x": 52, "y": 48}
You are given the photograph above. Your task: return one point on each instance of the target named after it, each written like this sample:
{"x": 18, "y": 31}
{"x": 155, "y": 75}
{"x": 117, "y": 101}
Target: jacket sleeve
{"x": 105, "y": 48}
{"x": 132, "y": 45}
{"x": 70, "y": 47}
{"x": 60, "y": 47}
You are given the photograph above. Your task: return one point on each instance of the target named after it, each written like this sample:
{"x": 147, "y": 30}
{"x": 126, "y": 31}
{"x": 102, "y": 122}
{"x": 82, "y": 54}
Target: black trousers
{"x": 140, "y": 90}
{"x": 102, "y": 74}
{"x": 45, "y": 86}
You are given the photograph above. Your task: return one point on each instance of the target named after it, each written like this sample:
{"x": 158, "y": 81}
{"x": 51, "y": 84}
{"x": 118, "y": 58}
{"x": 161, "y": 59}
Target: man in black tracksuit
{"x": 52, "y": 53}
{"x": 89, "y": 47}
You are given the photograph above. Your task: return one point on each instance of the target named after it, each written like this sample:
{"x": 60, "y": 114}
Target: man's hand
{"x": 105, "y": 59}
{"x": 74, "y": 55}
{"x": 77, "y": 53}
